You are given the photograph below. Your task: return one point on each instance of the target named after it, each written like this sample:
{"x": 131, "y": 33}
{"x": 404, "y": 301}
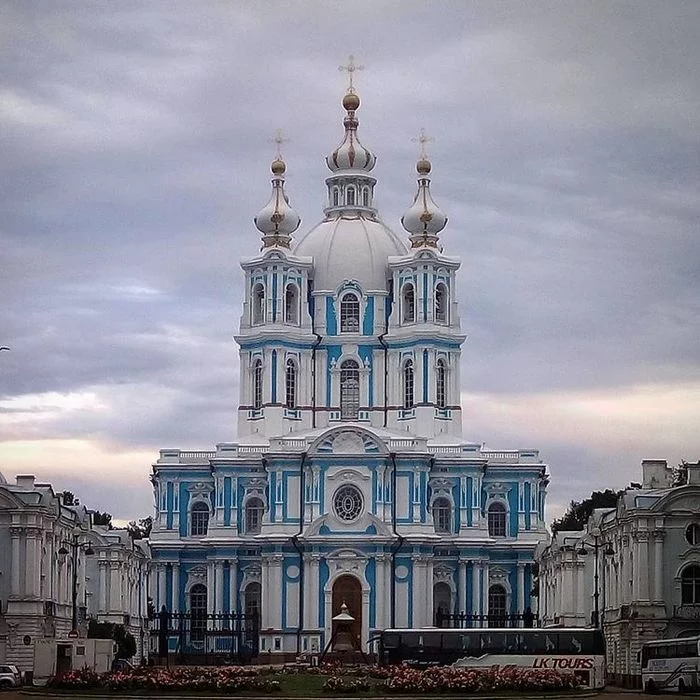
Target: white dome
{"x": 350, "y": 248}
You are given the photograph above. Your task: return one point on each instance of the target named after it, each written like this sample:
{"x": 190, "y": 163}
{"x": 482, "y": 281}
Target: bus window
{"x": 430, "y": 640}
{"x": 452, "y": 641}
{"x": 492, "y": 642}
{"x": 390, "y": 640}
{"x": 470, "y": 643}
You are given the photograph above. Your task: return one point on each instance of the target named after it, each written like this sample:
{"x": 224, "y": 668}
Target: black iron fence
{"x": 208, "y": 638}
{"x": 526, "y": 619}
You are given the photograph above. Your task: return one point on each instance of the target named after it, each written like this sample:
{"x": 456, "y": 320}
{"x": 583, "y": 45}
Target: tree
{"x": 102, "y": 518}
{"x": 140, "y": 529}
{"x": 578, "y": 512}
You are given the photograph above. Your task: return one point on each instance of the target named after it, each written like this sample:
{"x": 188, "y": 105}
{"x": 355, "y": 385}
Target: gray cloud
{"x": 136, "y": 147}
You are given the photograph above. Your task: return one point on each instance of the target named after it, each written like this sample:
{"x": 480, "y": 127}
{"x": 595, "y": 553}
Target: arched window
{"x": 252, "y": 597}
{"x": 497, "y": 520}
{"x": 365, "y": 196}
{"x": 199, "y": 518}
{"x": 254, "y": 510}
{"x": 349, "y": 389}
{"x": 336, "y": 197}
{"x": 442, "y": 604}
{"x": 290, "y": 384}
{"x": 350, "y": 313}
{"x": 441, "y": 303}
{"x": 442, "y": 515}
{"x": 408, "y": 303}
{"x": 258, "y": 304}
{"x": 440, "y": 376}
{"x": 198, "y": 612}
{"x": 690, "y": 585}
{"x": 350, "y": 197}
{"x": 257, "y": 384}
{"x": 497, "y": 605}
{"x": 692, "y": 533}
{"x": 408, "y": 401}
{"x": 291, "y": 304}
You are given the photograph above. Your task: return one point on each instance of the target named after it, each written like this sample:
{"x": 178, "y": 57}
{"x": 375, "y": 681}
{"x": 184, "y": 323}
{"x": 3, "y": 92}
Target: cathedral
{"x": 349, "y": 482}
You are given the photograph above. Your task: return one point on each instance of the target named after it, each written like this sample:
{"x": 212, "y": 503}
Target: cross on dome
{"x": 279, "y": 140}
{"x": 351, "y": 68}
{"x": 422, "y": 139}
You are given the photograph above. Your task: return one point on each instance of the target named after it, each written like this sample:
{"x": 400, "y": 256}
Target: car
{"x": 10, "y": 677}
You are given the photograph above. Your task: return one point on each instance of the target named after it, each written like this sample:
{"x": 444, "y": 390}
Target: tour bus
{"x": 580, "y": 651}
{"x": 671, "y": 664}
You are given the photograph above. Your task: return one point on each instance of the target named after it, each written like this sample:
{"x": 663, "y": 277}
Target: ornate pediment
{"x": 348, "y": 443}
{"x": 346, "y": 561}
{"x": 254, "y": 486}
{"x": 497, "y": 489}
{"x": 200, "y": 488}
{"x": 498, "y": 575}
{"x": 442, "y": 573}
{"x": 441, "y": 485}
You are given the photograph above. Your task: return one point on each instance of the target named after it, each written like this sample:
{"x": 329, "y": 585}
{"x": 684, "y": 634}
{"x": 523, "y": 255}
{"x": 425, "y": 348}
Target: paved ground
{"x": 609, "y": 695}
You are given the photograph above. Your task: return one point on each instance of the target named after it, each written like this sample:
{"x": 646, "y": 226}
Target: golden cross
{"x": 351, "y": 68}
{"x": 279, "y": 140}
{"x": 422, "y": 139}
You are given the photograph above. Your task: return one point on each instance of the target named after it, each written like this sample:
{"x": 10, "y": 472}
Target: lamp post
{"x": 75, "y": 546}
{"x": 608, "y": 551}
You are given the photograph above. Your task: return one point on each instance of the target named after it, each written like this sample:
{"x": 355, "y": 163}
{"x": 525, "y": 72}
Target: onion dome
{"x": 351, "y": 154}
{"x": 424, "y": 220}
{"x": 277, "y": 221}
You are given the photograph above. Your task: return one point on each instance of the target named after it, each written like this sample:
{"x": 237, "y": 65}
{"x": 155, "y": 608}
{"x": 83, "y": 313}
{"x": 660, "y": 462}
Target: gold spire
{"x": 351, "y": 68}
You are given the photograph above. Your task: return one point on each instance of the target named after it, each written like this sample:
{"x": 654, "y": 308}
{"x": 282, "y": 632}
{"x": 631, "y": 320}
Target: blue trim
{"x": 274, "y": 296}
{"x": 272, "y": 500}
{"x": 169, "y": 587}
{"x": 470, "y": 502}
{"x": 425, "y": 376}
{"x": 184, "y": 508}
{"x": 169, "y": 504}
{"x": 470, "y": 589}
{"x": 227, "y": 501}
{"x": 513, "y": 505}
{"x": 331, "y": 322}
{"x": 227, "y": 588}
{"x": 527, "y": 497}
{"x": 512, "y": 579}
{"x": 425, "y": 296}
{"x": 323, "y": 576}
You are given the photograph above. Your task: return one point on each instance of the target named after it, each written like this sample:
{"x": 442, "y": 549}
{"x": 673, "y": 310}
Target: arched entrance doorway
{"x": 347, "y": 589}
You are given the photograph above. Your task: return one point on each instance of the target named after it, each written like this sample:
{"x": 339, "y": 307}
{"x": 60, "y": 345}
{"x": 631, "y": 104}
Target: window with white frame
{"x": 258, "y": 299}
{"x": 349, "y": 389}
{"x": 497, "y": 520}
{"x": 291, "y": 304}
{"x": 408, "y": 383}
{"x": 336, "y": 197}
{"x": 199, "y": 519}
{"x": 350, "y": 196}
{"x": 442, "y": 515}
{"x": 254, "y": 510}
{"x": 408, "y": 303}
{"x": 365, "y": 196}
{"x": 290, "y": 384}
{"x": 441, "y": 303}
{"x": 349, "y": 313}
{"x": 692, "y": 533}
{"x": 440, "y": 384}
{"x": 690, "y": 585}
{"x": 257, "y": 383}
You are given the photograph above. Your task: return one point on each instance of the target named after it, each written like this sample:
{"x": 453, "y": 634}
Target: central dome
{"x": 350, "y": 248}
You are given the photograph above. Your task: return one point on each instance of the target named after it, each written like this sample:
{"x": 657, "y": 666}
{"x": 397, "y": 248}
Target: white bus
{"x": 576, "y": 650}
{"x": 671, "y": 664}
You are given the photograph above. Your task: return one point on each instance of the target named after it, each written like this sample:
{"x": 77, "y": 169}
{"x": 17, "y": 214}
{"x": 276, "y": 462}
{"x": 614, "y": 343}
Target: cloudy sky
{"x": 136, "y": 142}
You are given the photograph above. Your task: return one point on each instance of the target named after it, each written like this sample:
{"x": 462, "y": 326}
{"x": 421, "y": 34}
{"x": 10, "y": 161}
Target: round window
{"x": 347, "y": 502}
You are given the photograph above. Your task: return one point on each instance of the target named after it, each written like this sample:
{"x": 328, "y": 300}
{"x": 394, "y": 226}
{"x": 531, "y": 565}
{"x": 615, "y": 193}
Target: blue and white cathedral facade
{"x": 349, "y": 481}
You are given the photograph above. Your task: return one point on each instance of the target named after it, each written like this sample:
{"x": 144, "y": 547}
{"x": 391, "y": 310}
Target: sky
{"x": 136, "y": 139}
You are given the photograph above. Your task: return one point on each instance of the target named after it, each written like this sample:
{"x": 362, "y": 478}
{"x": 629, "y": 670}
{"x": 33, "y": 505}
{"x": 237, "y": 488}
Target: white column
{"x": 115, "y": 587}
{"x": 160, "y": 568}
{"x": 643, "y": 565}
{"x": 265, "y": 621}
{"x": 380, "y": 597}
{"x": 418, "y": 594}
{"x": 476, "y": 595}
{"x": 521, "y": 589}
{"x": 313, "y": 584}
{"x": 276, "y": 582}
{"x": 429, "y": 587}
{"x": 15, "y": 567}
{"x": 233, "y": 585}
{"x": 485, "y": 597}
{"x": 176, "y": 587}
{"x": 658, "y": 566}
{"x": 461, "y": 588}
{"x": 582, "y": 603}
{"x": 219, "y": 599}
{"x": 211, "y": 583}
{"x": 102, "y": 576}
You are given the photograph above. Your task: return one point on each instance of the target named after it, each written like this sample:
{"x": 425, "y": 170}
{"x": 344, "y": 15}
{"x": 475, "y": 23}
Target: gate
{"x": 206, "y": 638}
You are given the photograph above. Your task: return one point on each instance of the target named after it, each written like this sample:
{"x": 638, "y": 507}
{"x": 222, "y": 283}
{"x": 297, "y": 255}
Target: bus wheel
{"x": 681, "y": 685}
{"x": 650, "y": 687}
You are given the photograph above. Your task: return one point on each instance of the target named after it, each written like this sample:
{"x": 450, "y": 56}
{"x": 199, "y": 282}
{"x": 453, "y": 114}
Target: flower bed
{"x": 390, "y": 680}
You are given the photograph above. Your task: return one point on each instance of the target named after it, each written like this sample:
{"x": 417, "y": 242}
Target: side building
{"x": 350, "y": 481}
{"x": 634, "y": 570}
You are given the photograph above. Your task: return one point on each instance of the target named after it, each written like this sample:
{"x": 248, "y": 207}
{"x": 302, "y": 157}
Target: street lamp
{"x": 75, "y": 546}
{"x": 608, "y": 551}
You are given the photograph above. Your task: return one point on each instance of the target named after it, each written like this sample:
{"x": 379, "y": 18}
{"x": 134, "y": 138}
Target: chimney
{"x": 25, "y": 482}
{"x": 655, "y": 474}
{"x": 694, "y": 473}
